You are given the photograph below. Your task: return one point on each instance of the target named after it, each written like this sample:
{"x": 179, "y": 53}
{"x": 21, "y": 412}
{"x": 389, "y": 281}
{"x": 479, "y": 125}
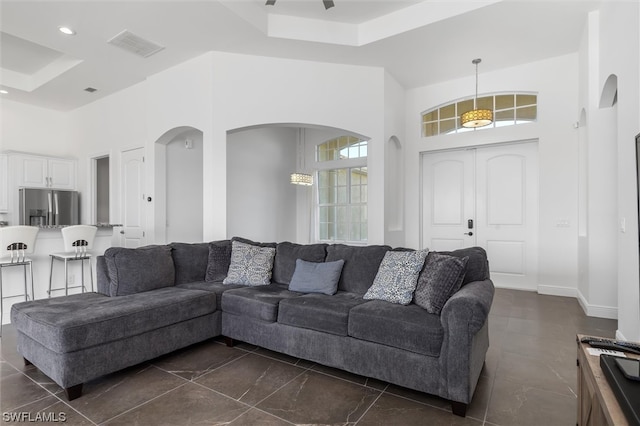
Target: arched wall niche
{"x": 262, "y": 204}
{"x": 609, "y": 95}
{"x": 179, "y": 185}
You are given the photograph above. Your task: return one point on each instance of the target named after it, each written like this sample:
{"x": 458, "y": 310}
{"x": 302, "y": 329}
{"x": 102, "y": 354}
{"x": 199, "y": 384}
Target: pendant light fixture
{"x": 476, "y": 117}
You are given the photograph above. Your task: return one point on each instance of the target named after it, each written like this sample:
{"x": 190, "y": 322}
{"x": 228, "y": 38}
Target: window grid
{"x": 342, "y": 204}
{"x": 508, "y": 109}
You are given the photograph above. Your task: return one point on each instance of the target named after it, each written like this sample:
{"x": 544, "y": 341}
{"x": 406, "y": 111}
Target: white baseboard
{"x": 598, "y": 311}
{"x": 553, "y": 290}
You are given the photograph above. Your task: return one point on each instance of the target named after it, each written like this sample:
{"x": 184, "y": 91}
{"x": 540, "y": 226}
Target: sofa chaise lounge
{"x": 156, "y": 299}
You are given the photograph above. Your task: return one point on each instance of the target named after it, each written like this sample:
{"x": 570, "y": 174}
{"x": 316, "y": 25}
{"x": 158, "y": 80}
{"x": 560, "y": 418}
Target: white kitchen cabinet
{"x": 35, "y": 171}
{"x": 4, "y": 183}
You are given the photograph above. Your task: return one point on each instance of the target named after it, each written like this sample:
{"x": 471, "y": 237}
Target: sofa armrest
{"x": 466, "y": 339}
{"x": 102, "y": 275}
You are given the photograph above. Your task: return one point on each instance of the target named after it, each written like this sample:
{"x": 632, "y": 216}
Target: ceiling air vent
{"x": 135, "y": 44}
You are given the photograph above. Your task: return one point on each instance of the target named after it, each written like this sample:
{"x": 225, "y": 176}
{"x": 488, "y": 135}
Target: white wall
{"x": 261, "y": 203}
{"x": 251, "y": 90}
{"x": 555, "y": 82}
{"x": 184, "y": 188}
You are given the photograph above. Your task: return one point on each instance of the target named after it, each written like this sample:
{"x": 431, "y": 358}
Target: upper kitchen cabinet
{"x": 34, "y": 171}
{"x": 4, "y": 183}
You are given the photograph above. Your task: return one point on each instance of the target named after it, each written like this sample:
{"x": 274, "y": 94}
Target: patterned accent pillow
{"x": 396, "y": 279}
{"x": 250, "y": 265}
{"x": 441, "y": 278}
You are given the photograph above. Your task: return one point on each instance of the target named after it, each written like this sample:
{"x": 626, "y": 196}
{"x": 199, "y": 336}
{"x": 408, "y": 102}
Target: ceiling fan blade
{"x": 328, "y": 4}
{"x": 270, "y": 2}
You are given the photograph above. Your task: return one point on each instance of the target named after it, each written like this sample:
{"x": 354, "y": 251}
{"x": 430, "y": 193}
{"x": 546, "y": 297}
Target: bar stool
{"x": 77, "y": 239}
{"x": 15, "y": 243}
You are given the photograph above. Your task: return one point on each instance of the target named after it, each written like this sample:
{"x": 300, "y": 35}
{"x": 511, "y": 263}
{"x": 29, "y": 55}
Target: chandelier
{"x": 476, "y": 117}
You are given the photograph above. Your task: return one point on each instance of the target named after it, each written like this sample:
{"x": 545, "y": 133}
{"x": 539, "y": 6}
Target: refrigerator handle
{"x": 55, "y": 208}
{"x": 49, "y": 210}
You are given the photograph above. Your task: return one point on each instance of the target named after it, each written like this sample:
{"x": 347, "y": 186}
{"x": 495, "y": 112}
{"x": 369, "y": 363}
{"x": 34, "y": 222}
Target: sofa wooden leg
{"x": 459, "y": 408}
{"x": 27, "y": 362}
{"x": 73, "y": 392}
{"x": 228, "y": 341}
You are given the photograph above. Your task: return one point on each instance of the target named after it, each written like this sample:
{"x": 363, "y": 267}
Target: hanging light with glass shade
{"x": 476, "y": 117}
{"x": 301, "y": 179}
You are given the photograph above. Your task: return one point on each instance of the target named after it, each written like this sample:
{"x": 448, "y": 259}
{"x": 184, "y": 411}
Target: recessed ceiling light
{"x": 4, "y": 92}
{"x": 66, "y": 30}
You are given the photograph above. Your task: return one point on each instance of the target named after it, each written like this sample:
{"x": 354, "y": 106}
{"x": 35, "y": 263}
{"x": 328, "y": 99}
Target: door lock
{"x": 468, "y": 233}
{"x": 470, "y": 224}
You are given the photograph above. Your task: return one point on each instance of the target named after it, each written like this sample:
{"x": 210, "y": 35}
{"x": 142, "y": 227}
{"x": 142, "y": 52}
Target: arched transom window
{"x": 508, "y": 109}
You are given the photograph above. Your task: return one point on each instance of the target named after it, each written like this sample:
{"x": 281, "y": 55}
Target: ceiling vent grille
{"x": 135, "y": 44}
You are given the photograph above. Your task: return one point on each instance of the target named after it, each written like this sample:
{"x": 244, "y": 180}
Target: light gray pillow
{"x": 316, "y": 277}
{"x": 397, "y": 276}
{"x": 441, "y": 278}
{"x": 250, "y": 265}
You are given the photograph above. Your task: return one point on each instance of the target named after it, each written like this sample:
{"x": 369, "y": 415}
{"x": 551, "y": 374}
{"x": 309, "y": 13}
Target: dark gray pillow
{"x": 477, "y": 265}
{"x": 190, "y": 261}
{"x": 360, "y": 265}
{"x": 316, "y": 277}
{"x": 441, "y": 277}
{"x": 218, "y": 261}
{"x": 141, "y": 269}
{"x": 286, "y": 255}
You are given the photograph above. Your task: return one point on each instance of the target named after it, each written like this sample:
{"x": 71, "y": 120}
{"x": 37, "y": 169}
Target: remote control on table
{"x": 612, "y": 344}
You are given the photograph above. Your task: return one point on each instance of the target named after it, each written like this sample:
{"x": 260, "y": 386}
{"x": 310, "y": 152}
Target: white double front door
{"x": 485, "y": 197}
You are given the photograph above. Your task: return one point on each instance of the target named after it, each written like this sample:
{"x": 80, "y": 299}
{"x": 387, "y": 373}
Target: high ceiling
{"x": 419, "y": 42}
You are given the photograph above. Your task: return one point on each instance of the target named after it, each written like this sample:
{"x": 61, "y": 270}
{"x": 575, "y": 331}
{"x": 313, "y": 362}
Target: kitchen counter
{"x": 99, "y": 225}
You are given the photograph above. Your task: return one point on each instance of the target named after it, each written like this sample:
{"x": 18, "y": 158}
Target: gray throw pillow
{"x": 218, "y": 261}
{"x": 441, "y": 278}
{"x": 397, "y": 276}
{"x": 316, "y": 277}
{"x": 250, "y": 265}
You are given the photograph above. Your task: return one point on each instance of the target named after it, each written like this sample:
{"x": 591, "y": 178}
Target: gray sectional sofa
{"x": 156, "y": 299}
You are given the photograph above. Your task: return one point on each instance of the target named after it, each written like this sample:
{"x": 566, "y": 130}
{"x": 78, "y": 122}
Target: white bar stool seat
{"x": 77, "y": 240}
{"x": 15, "y": 243}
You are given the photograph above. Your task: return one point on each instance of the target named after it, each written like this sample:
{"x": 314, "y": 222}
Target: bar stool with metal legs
{"x": 15, "y": 243}
{"x": 77, "y": 240}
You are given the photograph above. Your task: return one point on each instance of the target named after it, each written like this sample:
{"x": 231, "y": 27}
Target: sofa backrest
{"x": 190, "y": 261}
{"x": 361, "y": 265}
{"x": 134, "y": 270}
{"x": 287, "y": 253}
{"x": 477, "y": 266}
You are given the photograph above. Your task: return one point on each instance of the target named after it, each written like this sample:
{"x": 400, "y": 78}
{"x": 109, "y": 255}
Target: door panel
{"x": 497, "y": 187}
{"x": 133, "y": 214}
{"x": 448, "y": 200}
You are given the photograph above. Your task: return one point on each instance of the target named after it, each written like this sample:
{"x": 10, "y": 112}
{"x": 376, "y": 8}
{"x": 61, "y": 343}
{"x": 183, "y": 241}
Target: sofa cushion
{"x": 71, "y": 323}
{"x": 441, "y": 278}
{"x": 218, "y": 261}
{"x": 190, "y": 261}
{"x": 250, "y": 265}
{"x": 397, "y": 276}
{"x": 477, "y": 266}
{"x": 360, "y": 265}
{"x": 133, "y": 270}
{"x": 316, "y": 277}
{"x": 405, "y": 327}
{"x": 260, "y": 302}
{"x": 286, "y": 255}
{"x": 213, "y": 287}
{"x": 319, "y": 312}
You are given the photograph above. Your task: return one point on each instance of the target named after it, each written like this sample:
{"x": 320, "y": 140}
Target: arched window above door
{"x": 508, "y": 109}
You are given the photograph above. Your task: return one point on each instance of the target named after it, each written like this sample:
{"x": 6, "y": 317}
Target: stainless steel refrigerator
{"x": 45, "y": 207}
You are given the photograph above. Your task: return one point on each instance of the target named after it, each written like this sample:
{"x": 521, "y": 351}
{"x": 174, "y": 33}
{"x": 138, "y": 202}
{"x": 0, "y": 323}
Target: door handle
{"x": 468, "y": 233}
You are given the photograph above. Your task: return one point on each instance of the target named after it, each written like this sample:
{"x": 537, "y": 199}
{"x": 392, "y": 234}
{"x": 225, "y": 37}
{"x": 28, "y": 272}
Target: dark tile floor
{"x": 529, "y": 379}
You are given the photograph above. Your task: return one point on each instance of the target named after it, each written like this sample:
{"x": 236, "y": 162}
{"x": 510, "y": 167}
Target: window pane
{"x": 526, "y": 113}
{"x": 522, "y": 100}
{"x": 430, "y": 129}
{"x": 431, "y": 116}
{"x": 504, "y": 116}
{"x": 342, "y": 176}
{"x": 355, "y": 194}
{"x": 485, "y": 103}
{"x": 324, "y": 231}
{"x": 355, "y": 232}
{"x": 504, "y": 101}
{"x": 342, "y": 195}
{"x": 448, "y": 111}
{"x": 363, "y": 193}
{"x": 447, "y": 126}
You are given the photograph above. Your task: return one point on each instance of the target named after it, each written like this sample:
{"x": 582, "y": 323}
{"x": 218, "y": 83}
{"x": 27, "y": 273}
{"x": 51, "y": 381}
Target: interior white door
{"x": 132, "y": 179}
{"x": 503, "y": 183}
